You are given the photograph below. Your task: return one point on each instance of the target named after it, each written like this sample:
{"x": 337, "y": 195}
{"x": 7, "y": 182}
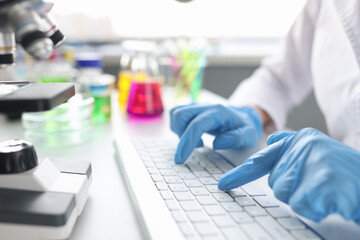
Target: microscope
{"x": 27, "y": 22}
{"x": 40, "y": 197}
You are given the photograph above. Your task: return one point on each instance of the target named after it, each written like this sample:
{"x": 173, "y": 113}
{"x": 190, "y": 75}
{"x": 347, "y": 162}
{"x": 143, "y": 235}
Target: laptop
{"x": 182, "y": 201}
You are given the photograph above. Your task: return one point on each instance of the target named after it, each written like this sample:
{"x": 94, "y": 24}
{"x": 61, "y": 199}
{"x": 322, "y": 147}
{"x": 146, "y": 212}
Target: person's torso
{"x": 336, "y": 74}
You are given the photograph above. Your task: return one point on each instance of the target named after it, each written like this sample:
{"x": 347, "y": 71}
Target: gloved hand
{"x": 233, "y": 127}
{"x": 311, "y": 172}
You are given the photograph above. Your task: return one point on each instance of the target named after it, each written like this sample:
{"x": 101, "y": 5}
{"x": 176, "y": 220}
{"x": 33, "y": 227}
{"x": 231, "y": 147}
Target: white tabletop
{"x": 108, "y": 213}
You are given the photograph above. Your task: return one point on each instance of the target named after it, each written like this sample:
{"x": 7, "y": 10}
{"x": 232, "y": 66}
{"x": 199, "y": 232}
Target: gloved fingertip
{"x": 229, "y": 180}
{"x": 223, "y": 184}
{"x": 277, "y": 136}
{"x": 178, "y": 159}
{"x": 200, "y": 143}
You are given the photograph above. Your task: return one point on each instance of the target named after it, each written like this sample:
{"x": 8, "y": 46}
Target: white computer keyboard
{"x": 203, "y": 211}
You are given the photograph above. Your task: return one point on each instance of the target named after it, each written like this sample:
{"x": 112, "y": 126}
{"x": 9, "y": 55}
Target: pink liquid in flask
{"x": 145, "y": 99}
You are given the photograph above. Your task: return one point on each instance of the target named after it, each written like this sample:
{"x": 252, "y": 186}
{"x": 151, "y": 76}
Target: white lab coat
{"x": 320, "y": 52}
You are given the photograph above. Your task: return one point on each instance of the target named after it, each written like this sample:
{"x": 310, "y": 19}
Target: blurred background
{"x": 209, "y": 44}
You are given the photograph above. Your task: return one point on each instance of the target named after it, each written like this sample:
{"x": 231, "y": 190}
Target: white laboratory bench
{"x": 108, "y": 213}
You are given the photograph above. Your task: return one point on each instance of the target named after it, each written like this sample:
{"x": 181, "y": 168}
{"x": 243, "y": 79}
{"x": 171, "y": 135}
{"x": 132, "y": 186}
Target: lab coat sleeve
{"x": 284, "y": 80}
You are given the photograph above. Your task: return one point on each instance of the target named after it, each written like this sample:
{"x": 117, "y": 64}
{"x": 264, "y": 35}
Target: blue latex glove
{"x": 233, "y": 127}
{"x": 310, "y": 171}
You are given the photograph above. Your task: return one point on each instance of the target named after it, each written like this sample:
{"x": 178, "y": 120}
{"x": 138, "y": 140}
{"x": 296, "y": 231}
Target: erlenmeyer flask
{"x": 145, "y": 92}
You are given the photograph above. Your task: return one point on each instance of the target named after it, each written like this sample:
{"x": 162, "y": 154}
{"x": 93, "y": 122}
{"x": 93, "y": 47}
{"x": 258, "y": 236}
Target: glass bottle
{"x": 124, "y": 79}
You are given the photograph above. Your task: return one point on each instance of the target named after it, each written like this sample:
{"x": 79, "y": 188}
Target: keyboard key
{"x": 190, "y": 206}
{"x": 265, "y": 201}
{"x": 197, "y": 191}
{"x": 253, "y": 189}
{"x": 163, "y": 166}
{"x": 159, "y": 159}
{"x": 223, "y": 221}
{"x": 167, "y": 172}
{"x": 156, "y": 155}
{"x": 194, "y": 166}
{"x": 201, "y": 174}
{"x": 178, "y": 187}
{"x": 208, "y": 181}
{"x": 172, "y": 205}
{"x": 213, "y": 189}
{"x": 197, "y": 216}
{"x": 217, "y": 176}
{"x": 232, "y": 206}
{"x": 156, "y": 177}
{"x": 206, "y": 200}
{"x": 213, "y": 170}
{"x": 305, "y": 234}
{"x": 212, "y": 237}
{"x": 179, "y": 216}
{"x": 181, "y": 169}
{"x": 170, "y": 158}
{"x": 222, "y": 197}
{"x": 184, "y": 175}
{"x": 152, "y": 170}
{"x": 273, "y": 228}
{"x": 225, "y": 166}
{"x": 241, "y": 217}
{"x": 245, "y": 201}
{"x": 214, "y": 210}
{"x": 292, "y": 223}
{"x": 187, "y": 229}
{"x": 192, "y": 183}
{"x": 255, "y": 211}
{"x": 234, "y": 233}
{"x": 237, "y": 192}
{"x": 172, "y": 179}
{"x": 255, "y": 231}
{"x": 206, "y": 164}
{"x": 161, "y": 186}
{"x": 183, "y": 196}
{"x": 167, "y": 151}
{"x": 166, "y": 195}
{"x": 278, "y": 212}
{"x": 149, "y": 164}
{"x": 205, "y": 229}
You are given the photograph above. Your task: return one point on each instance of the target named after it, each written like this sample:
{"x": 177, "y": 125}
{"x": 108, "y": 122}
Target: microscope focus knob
{"x": 17, "y": 156}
